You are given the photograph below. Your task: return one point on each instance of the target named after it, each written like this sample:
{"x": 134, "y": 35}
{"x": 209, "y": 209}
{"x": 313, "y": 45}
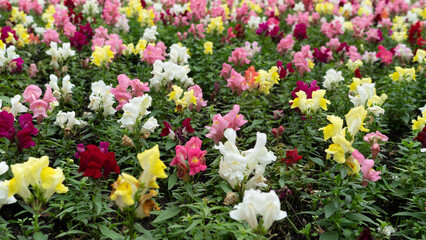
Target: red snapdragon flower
{"x": 300, "y": 31}
{"x": 95, "y": 163}
{"x": 292, "y": 157}
{"x": 421, "y": 137}
{"x": 6, "y": 125}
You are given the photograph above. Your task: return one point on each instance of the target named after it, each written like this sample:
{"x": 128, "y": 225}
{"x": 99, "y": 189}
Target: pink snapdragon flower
{"x": 51, "y": 36}
{"x": 385, "y": 55}
{"x": 301, "y": 63}
{"x": 374, "y": 35}
{"x": 195, "y": 156}
{"x": 111, "y": 11}
{"x": 69, "y": 29}
{"x": 236, "y": 82}
{"x": 366, "y": 168}
{"x": 198, "y": 93}
{"x": 116, "y": 44}
{"x": 239, "y": 57}
{"x": 152, "y": 54}
{"x": 368, "y": 173}
{"x": 334, "y": 44}
{"x": 120, "y": 91}
{"x": 226, "y": 70}
{"x": 61, "y": 17}
{"x": 232, "y": 120}
{"x": 332, "y": 29}
{"x": 39, "y": 106}
{"x": 375, "y": 139}
{"x": 285, "y": 44}
{"x": 32, "y": 70}
{"x": 31, "y": 93}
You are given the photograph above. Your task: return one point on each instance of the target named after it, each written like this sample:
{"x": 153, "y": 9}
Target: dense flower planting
{"x": 178, "y": 119}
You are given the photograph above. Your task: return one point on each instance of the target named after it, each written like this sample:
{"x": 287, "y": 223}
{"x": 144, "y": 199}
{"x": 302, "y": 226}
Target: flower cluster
{"x": 128, "y": 190}
{"x": 37, "y": 173}
{"x": 195, "y": 156}
{"x": 220, "y": 124}
{"x": 236, "y": 166}
{"x": 96, "y": 162}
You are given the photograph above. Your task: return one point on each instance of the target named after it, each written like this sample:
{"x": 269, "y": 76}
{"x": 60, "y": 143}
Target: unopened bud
{"x": 127, "y": 141}
{"x": 231, "y": 199}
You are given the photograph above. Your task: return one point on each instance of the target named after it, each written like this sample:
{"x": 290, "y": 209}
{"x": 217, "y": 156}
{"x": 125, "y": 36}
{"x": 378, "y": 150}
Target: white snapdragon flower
{"x": 4, "y": 187}
{"x": 299, "y": 7}
{"x": 17, "y": 106}
{"x": 66, "y": 86}
{"x": 55, "y": 53}
{"x": 376, "y": 110}
{"x": 178, "y": 55}
{"x": 369, "y": 57}
{"x": 150, "y": 125}
{"x": 134, "y": 110}
{"x": 67, "y": 120}
{"x": 7, "y": 55}
{"x": 122, "y": 23}
{"x": 386, "y": 231}
{"x": 332, "y": 78}
{"x": 254, "y": 22}
{"x": 232, "y": 165}
{"x": 257, "y": 203}
{"x": 150, "y": 34}
{"x": 258, "y": 180}
{"x": 90, "y": 8}
{"x": 102, "y": 97}
{"x": 258, "y": 154}
{"x": 66, "y": 51}
{"x": 365, "y": 91}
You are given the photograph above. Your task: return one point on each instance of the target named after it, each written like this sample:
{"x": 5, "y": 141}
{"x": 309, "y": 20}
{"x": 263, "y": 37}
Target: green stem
{"x": 36, "y": 207}
{"x": 131, "y": 222}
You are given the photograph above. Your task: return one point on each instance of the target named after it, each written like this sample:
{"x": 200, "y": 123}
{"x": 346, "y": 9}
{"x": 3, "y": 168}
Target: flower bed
{"x": 212, "y": 119}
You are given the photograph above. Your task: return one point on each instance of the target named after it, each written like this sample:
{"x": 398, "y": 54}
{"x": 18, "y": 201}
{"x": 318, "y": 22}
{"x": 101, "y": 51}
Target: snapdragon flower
{"x": 101, "y": 98}
{"x": 257, "y": 203}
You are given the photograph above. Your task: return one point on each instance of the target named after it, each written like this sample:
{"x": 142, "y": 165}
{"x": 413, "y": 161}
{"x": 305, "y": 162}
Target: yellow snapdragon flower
{"x": 124, "y": 190}
{"x": 403, "y": 74}
{"x": 324, "y": 8}
{"x": 208, "y": 47}
{"x": 355, "y": 120}
{"x": 353, "y": 65}
{"x": 153, "y": 167}
{"x": 339, "y": 148}
{"x": 102, "y": 56}
{"x": 332, "y": 129}
{"x": 356, "y": 82}
{"x": 420, "y": 123}
{"x": 40, "y": 176}
{"x": 215, "y": 25}
{"x": 311, "y": 105}
{"x": 420, "y": 56}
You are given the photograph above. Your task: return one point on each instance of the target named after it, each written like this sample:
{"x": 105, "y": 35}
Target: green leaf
{"x": 110, "y": 233}
{"x": 170, "y": 144}
{"x": 146, "y": 233}
{"x": 71, "y": 232}
{"x": 172, "y": 180}
{"x": 329, "y": 236}
{"x": 329, "y": 209}
{"x": 317, "y": 161}
{"x": 360, "y": 218}
{"x": 418, "y": 215}
{"x": 98, "y": 204}
{"x": 167, "y": 214}
{"x": 40, "y": 236}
